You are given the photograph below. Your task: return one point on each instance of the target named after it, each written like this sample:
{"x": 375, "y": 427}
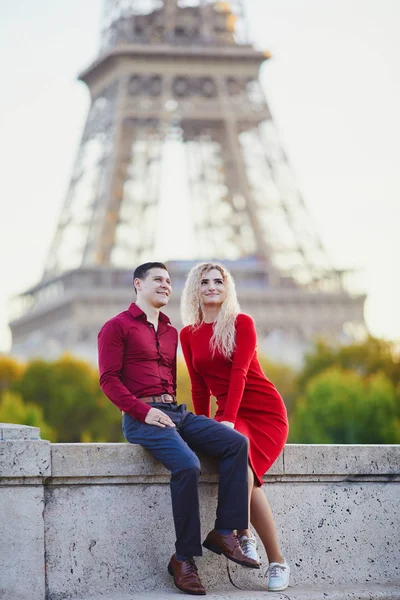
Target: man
{"x": 137, "y": 361}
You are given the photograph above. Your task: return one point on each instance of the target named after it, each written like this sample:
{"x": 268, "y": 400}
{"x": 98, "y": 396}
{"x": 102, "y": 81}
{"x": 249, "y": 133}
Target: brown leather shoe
{"x": 229, "y": 546}
{"x": 186, "y": 577}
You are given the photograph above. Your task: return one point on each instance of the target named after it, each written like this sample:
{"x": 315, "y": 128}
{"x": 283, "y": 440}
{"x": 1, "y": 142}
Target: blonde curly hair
{"x": 224, "y": 333}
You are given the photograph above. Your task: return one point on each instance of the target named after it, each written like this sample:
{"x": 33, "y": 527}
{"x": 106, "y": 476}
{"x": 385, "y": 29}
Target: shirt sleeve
{"x": 246, "y": 341}
{"x": 111, "y": 345}
{"x": 174, "y": 370}
{"x": 200, "y": 390}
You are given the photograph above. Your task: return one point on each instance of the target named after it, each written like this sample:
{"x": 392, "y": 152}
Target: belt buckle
{"x": 163, "y": 398}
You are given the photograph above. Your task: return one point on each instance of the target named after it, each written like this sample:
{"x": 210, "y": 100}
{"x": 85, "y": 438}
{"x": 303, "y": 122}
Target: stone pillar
{"x": 24, "y": 463}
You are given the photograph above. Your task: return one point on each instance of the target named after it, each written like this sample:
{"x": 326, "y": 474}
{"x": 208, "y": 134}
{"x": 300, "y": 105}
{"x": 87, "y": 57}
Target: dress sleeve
{"x": 111, "y": 345}
{"x": 200, "y": 390}
{"x": 246, "y": 341}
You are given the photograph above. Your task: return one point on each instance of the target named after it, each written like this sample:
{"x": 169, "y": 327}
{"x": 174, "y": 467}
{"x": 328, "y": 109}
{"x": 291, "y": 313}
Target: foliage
{"x": 343, "y": 407}
{"x": 14, "y": 410}
{"x": 347, "y": 394}
{"x": 68, "y": 392}
{"x": 366, "y": 358}
{"x": 284, "y": 378}
{"x": 184, "y": 394}
{"x": 10, "y": 371}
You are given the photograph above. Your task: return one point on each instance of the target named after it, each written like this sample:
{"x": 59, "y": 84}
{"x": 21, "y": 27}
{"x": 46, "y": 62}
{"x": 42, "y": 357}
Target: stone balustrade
{"x": 94, "y": 520}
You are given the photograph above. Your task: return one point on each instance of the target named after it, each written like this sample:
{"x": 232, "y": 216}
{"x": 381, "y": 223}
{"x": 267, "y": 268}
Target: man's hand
{"x": 228, "y": 424}
{"x": 158, "y": 418}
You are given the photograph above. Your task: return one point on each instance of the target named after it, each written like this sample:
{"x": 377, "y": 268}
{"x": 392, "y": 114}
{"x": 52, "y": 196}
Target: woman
{"x": 219, "y": 346}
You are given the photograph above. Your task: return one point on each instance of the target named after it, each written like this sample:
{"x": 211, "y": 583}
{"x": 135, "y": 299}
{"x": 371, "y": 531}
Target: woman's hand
{"x": 228, "y": 424}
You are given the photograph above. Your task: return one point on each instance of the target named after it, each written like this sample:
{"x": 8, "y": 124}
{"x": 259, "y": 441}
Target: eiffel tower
{"x": 179, "y": 123}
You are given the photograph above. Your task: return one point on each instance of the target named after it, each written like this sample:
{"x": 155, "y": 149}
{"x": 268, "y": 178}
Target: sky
{"x": 333, "y": 87}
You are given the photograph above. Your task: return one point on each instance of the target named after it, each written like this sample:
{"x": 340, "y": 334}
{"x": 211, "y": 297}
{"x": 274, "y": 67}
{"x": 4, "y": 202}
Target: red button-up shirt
{"x": 137, "y": 361}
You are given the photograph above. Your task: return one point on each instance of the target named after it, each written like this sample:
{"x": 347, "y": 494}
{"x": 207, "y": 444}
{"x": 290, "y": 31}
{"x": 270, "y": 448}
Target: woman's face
{"x": 212, "y": 289}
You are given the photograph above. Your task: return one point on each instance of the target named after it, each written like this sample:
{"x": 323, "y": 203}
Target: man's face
{"x": 155, "y": 288}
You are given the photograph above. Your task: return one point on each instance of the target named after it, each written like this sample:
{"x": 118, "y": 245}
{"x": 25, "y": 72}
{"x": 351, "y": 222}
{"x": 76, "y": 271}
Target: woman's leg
{"x": 263, "y": 522}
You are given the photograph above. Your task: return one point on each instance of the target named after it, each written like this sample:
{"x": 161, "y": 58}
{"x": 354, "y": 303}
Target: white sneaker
{"x": 249, "y": 547}
{"x": 278, "y": 576}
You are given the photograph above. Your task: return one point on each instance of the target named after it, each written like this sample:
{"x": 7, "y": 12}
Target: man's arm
{"x": 111, "y": 356}
{"x": 174, "y": 375}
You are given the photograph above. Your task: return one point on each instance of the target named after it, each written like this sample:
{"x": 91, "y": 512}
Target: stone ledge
{"x": 344, "y": 459}
{"x": 12, "y": 431}
{"x": 313, "y": 462}
{"x": 24, "y": 458}
{"x": 120, "y": 460}
{"x": 367, "y": 592}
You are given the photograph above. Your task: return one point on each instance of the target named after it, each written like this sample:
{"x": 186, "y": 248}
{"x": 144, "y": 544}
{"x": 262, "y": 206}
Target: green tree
{"x": 10, "y": 371}
{"x": 14, "y": 410}
{"x": 366, "y": 358}
{"x": 371, "y": 356}
{"x": 343, "y": 407}
{"x": 68, "y": 392}
{"x": 184, "y": 393}
{"x": 285, "y": 380}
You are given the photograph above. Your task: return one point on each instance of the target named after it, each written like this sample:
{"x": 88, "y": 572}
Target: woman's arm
{"x": 246, "y": 341}
{"x": 200, "y": 391}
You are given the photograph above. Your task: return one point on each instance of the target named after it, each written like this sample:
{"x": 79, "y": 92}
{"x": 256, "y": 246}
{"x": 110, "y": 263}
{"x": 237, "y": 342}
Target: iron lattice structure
{"x": 182, "y": 73}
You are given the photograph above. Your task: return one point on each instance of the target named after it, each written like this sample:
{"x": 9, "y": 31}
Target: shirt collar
{"x": 137, "y": 312}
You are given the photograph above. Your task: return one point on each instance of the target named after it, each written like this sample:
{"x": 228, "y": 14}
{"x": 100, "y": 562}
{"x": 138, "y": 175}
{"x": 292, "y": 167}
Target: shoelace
{"x": 273, "y": 571}
{"x": 237, "y": 541}
{"x": 192, "y": 568}
{"x": 247, "y": 544}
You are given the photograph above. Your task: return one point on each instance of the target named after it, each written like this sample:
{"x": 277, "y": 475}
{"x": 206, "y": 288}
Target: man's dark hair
{"x": 141, "y": 271}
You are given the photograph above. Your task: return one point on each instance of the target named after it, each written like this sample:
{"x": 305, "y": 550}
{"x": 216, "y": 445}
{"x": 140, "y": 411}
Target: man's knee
{"x": 190, "y": 463}
{"x": 239, "y": 440}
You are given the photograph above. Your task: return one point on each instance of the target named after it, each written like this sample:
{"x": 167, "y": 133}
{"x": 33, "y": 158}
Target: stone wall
{"x": 84, "y": 519}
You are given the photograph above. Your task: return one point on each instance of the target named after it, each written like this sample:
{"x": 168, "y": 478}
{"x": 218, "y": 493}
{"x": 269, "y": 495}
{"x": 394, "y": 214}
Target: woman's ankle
{"x": 276, "y": 558}
{"x": 246, "y": 532}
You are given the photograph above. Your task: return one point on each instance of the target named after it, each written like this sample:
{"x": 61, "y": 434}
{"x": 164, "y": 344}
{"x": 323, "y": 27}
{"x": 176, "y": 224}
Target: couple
{"x": 137, "y": 361}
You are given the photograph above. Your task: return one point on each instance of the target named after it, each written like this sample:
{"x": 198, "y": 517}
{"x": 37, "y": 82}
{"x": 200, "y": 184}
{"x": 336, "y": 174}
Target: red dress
{"x": 244, "y": 394}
